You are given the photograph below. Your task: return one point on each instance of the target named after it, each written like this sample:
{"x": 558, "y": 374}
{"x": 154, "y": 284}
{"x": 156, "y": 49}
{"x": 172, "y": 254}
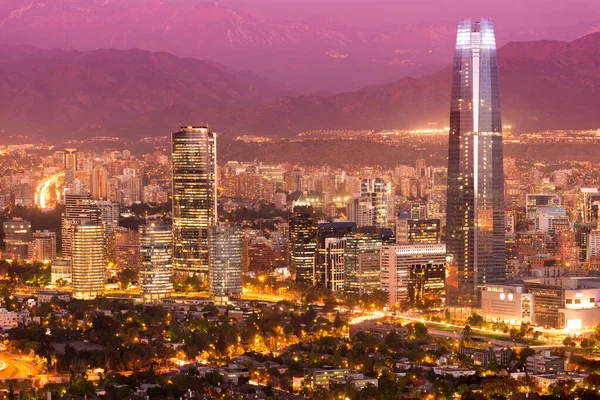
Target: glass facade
{"x": 475, "y": 210}
{"x": 303, "y": 241}
{"x": 87, "y": 259}
{"x": 194, "y": 197}
{"x": 331, "y": 247}
{"x": 225, "y": 260}
{"x": 78, "y": 207}
{"x": 17, "y": 236}
{"x": 155, "y": 240}
{"x": 373, "y": 207}
{"x": 362, "y": 263}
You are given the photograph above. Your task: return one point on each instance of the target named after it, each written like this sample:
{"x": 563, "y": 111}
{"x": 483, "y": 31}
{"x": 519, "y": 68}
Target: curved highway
{"x": 42, "y": 195}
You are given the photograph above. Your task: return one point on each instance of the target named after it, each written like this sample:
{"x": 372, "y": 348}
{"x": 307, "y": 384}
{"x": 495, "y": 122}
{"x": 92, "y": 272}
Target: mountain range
{"x": 135, "y": 93}
{"x": 319, "y": 54}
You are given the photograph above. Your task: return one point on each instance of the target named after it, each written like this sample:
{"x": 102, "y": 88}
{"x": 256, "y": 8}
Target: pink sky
{"x": 518, "y": 13}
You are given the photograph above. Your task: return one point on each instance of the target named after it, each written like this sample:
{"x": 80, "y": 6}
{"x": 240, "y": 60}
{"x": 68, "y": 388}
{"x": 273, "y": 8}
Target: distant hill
{"x": 311, "y": 55}
{"x": 131, "y": 92}
{"x": 134, "y": 93}
{"x": 543, "y": 85}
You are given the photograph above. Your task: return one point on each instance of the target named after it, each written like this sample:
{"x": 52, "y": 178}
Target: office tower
{"x": 582, "y": 233}
{"x": 123, "y": 248}
{"x": 114, "y": 192}
{"x": 225, "y": 263}
{"x": 78, "y": 207}
{"x": 361, "y": 261}
{"x": 99, "y": 183}
{"x": 587, "y": 204}
{"x": 535, "y": 202}
{"x": 331, "y": 246}
{"x": 109, "y": 213}
{"x": 418, "y": 230}
{"x": 194, "y": 197}
{"x": 475, "y": 209}
{"x": 87, "y": 259}
{"x": 421, "y": 168}
{"x": 375, "y": 203}
{"x": 43, "y": 246}
{"x": 156, "y": 255}
{"x": 303, "y": 240}
{"x": 413, "y": 274}
{"x": 17, "y": 235}
{"x": 71, "y": 160}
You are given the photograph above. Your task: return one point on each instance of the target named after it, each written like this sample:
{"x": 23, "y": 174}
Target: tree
{"x": 568, "y": 341}
{"x": 126, "y": 277}
{"x": 466, "y": 333}
{"x": 420, "y": 331}
{"x": 475, "y": 320}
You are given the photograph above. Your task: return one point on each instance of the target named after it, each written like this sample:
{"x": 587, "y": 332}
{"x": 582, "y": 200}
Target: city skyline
{"x": 361, "y": 245}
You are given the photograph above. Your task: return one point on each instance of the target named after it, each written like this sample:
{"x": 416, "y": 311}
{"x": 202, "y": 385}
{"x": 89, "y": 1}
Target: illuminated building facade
{"x": 361, "y": 262}
{"x": 475, "y": 206}
{"x": 374, "y": 207}
{"x": 194, "y": 150}
{"x": 418, "y": 230}
{"x": 156, "y": 256}
{"x": 303, "y": 241}
{"x": 87, "y": 259}
{"x": 99, "y": 183}
{"x": 123, "y": 248}
{"x": 43, "y": 246}
{"x": 71, "y": 159}
{"x": 413, "y": 274}
{"x": 17, "y": 235}
{"x": 225, "y": 263}
{"x": 331, "y": 247}
{"x": 78, "y": 207}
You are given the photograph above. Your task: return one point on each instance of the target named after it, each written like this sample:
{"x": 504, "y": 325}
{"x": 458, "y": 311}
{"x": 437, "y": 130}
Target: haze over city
{"x": 299, "y": 199}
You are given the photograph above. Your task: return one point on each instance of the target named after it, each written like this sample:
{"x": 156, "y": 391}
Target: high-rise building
{"x": 78, "y": 207}
{"x": 475, "y": 209}
{"x": 375, "y": 205}
{"x": 225, "y": 263}
{"x": 109, "y": 213}
{"x": 17, "y": 235}
{"x": 87, "y": 259}
{"x": 123, "y": 248}
{"x": 43, "y": 246}
{"x": 156, "y": 257}
{"x": 413, "y": 274}
{"x": 99, "y": 183}
{"x": 418, "y": 230}
{"x": 71, "y": 159}
{"x": 303, "y": 240}
{"x": 535, "y": 202}
{"x": 194, "y": 197}
{"x": 361, "y": 261}
{"x": 331, "y": 247}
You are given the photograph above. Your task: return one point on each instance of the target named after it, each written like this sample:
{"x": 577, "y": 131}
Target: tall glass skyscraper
{"x": 87, "y": 259}
{"x": 475, "y": 211}
{"x": 303, "y": 240}
{"x": 194, "y": 197}
{"x": 156, "y": 261}
{"x": 225, "y": 255}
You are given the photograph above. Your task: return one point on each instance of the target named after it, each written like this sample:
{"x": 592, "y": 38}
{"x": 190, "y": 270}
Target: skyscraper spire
{"x": 475, "y": 212}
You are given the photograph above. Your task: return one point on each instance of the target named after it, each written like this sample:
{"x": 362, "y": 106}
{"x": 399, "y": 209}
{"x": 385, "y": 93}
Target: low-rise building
{"x": 545, "y": 363}
{"x": 46, "y": 297}
{"x": 483, "y": 357}
{"x": 453, "y": 371}
{"x": 358, "y": 381}
{"x": 320, "y": 377}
